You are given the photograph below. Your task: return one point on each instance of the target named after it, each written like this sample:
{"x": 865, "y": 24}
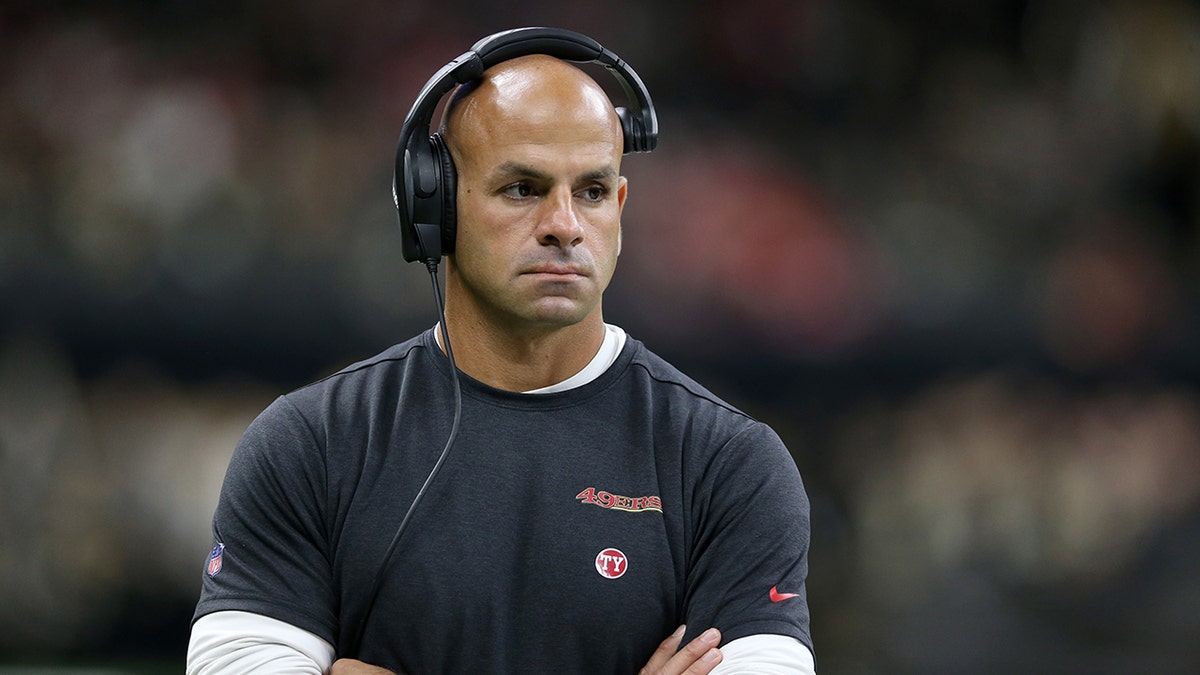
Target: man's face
{"x": 539, "y": 202}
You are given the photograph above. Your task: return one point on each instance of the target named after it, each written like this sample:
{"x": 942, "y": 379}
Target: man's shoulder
{"x": 369, "y": 373}
{"x": 670, "y": 381}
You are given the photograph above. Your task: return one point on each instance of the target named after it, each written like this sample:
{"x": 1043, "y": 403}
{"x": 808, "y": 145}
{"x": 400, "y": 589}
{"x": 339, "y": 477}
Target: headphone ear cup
{"x": 420, "y": 204}
{"x": 449, "y": 192}
{"x": 629, "y": 134}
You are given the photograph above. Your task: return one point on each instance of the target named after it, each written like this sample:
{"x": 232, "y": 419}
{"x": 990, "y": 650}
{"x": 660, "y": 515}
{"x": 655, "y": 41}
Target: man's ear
{"x": 622, "y": 192}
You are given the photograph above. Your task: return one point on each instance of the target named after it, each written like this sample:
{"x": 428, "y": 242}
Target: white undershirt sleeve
{"x": 243, "y": 642}
{"x": 765, "y": 655}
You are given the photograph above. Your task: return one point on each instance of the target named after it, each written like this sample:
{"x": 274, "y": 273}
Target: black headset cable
{"x": 380, "y": 575}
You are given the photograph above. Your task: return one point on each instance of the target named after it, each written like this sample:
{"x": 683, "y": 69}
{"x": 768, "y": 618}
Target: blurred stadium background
{"x": 948, "y": 249}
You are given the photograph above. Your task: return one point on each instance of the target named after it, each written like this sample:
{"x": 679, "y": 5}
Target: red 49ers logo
{"x": 611, "y": 563}
{"x": 608, "y": 500}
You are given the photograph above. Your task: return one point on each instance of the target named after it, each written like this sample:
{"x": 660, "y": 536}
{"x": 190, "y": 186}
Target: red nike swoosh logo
{"x": 776, "y": 596}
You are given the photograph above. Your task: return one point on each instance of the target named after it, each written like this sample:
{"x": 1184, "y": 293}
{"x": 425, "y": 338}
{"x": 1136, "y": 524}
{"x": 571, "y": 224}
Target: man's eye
{"x": 518, "y": 190}
{"x": 594, "y": 193}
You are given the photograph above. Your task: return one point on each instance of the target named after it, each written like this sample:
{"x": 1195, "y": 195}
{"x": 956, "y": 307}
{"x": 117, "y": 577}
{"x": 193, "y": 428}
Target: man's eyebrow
{"x": 515, "y": 169}
{"x": 607, "y": 173}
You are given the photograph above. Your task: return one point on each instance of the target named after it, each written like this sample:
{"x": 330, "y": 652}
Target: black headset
{"x": 425, "y": 184}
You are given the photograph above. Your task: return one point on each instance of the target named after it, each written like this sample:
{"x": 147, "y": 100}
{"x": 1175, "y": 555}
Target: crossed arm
{"x": 699, "y": 657}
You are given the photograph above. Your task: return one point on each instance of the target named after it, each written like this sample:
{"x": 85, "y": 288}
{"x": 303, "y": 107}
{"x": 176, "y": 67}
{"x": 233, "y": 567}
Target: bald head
{"x": 531, "y": 98}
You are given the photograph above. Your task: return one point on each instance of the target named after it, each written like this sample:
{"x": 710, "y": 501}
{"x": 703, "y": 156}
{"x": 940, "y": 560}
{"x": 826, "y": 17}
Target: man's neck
{"x": 528, "y": 359}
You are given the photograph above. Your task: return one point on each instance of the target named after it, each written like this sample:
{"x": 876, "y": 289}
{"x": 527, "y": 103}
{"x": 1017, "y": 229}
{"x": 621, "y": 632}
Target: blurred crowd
{"x": 950, "y": 250}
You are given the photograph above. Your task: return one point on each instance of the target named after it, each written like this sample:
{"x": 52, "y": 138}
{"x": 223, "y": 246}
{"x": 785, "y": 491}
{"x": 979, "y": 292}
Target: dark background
{"x": 949, "y": 250}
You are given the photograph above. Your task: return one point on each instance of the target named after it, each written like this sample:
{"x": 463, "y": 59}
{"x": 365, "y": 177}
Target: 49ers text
{"x": 607, "y": 500}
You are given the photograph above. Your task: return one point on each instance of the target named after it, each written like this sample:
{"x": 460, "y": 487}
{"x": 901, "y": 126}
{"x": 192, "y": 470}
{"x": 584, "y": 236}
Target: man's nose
{"x": 560, "y": 225}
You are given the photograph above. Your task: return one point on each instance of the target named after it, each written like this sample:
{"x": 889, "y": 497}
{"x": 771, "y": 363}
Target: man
{"x": 595, "y": 498}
